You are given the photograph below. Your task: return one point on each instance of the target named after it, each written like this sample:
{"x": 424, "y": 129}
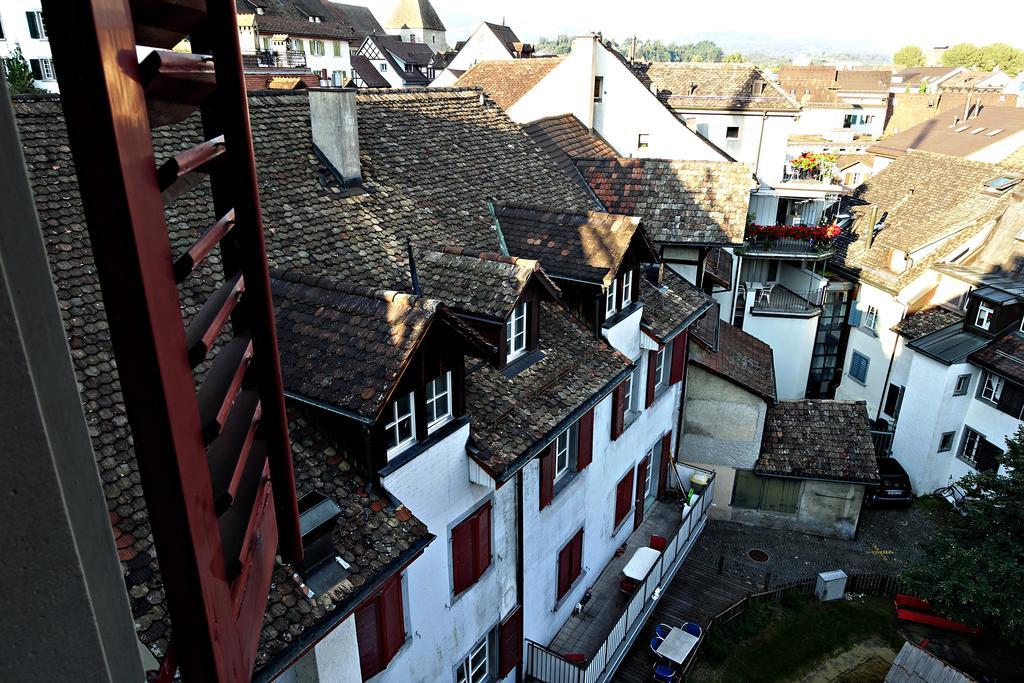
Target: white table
{"x": 641, "y": 562}
{"x": 677, "y": 646}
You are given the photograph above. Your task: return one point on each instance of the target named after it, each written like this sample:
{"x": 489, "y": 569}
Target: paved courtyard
{"x": 886, "y": 542}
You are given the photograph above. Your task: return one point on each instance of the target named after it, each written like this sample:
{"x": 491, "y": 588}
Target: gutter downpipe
{"x": 892, "y": 359}
{"x": 520, "y": 554}
{"x": 760, "y": 139}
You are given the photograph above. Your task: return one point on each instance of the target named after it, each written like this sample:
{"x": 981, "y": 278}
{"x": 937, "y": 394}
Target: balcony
{"x": 775, "y": 299}
{"x": 591, "y": 645}
{"x": 272, "y": 59}
{"x": 804, "y": 242}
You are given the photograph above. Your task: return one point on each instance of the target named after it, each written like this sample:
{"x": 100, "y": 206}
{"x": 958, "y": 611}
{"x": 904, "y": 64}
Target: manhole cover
{"x": 757, "y": 555}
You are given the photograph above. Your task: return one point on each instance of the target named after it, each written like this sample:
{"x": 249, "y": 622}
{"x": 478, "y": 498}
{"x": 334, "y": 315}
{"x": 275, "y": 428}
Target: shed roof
{"x": 740, "y": 358}
{"x": 671, "y": 307}
{"x": 948, "y": 133}
{"x": 1004, "y": 357}
{"x": 916, "y": 665}
{"x": 695, "y": 85}
{"x": 507, "y": 81}
{"x": 565, "y": 138}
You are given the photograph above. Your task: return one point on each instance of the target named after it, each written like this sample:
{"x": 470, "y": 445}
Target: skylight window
{"x": 961, "y": 129}
{"x": 1002, "y": 183}
{"x": 994, "y": 132}
{"x": 977, "y": 130}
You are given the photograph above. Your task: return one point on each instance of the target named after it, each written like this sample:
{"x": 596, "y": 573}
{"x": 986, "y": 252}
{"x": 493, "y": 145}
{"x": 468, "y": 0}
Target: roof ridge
{"x": 479, "y": 254}
{"x": 366, "y": 292}
{"x": 585, "y": 213}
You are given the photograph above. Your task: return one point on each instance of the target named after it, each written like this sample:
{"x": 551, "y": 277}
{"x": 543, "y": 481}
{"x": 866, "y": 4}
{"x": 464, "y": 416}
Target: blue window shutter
{"x": 855, "y": 315}
{"x": 859, "y": 366}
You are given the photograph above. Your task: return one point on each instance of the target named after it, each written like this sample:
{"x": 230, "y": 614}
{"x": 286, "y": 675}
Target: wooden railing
{"x": 543, "y": 664}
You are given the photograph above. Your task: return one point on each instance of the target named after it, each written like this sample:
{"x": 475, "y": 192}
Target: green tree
{"x": 909, "y": 55}
{"x": 734, "y": 57}
{"x": 973, "y": 567}
{"x": 962, "y": 54}
{"x": 1003, "y": 56}
{"x": 19, "y": 74}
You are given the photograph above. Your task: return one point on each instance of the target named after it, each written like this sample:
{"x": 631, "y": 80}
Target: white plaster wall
{"x": 878, "y": 348}
{"x": 483, "y": 45}
{"x": 436, "y": 487}
{"x": 792, "y": 342}
{"x": 770, "y": 161}
{"x": 724, "y": 422}
{"x": 982, "y": 417}
{"x": 624, "y": 336}
{"x": 337, "y": 655}
{"x": 588, "y": 502}
{"x": 328, "y": 61}
{"x": 12, "y": 17}
{"x": 626, "y": 109}
{"x": 817, "y": 121}
{"x": 949, "y": 290}
{"x": 435, "y": 39}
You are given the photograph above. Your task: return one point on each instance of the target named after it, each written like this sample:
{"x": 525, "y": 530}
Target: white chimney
{"x": 335, "y": 126}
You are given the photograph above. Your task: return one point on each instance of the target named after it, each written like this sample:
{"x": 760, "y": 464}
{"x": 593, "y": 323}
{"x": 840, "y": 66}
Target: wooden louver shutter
{"x": 586, "y": 441}
{"x": 547, "y": 477}
{"x": 576, "y": 560}
{"x": 618, "y": 410}
{"x": 652, "y": 363}
{"x": 367, "y": 636}
{"x": 33, "y": 26}
{"x": 623, "y": 492}
{"x": 564, "y": 560}
{"x": 510, "y": 648}
{"x": 1011, "y": 400}
{"x": 462, "y": 556}
{"x": 666, "y": 463}
{"x": 37, "y": 69}
{"x": 393, "y": 630}
{"x": 678, "y": 371}
{"x": 482, "y": 541}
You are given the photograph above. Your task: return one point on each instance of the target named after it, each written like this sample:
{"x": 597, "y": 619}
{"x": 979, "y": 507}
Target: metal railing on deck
{"x": 265, "y": 59}
{"x": 545, "y": 665}
{"x": 883, "y": 442}
{"x": 784, "y": 300}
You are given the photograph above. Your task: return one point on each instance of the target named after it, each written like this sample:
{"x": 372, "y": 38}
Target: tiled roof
{"x": 965, "y": 79}
{"x": 681, "y": 202}
{"x": 509, "y": 415}
{"x": 505, "y": 35}
{"x": 419, "y": 54}
{"x": 927, "y": 197}
{"x": 585, "y": 246}
{"x": 693, "y": 85}
{"x": 359, "y": 18}
{"x": 706, "y": 330}
{"x": 1006, "y": 357}
{"x": 926, "y": 321}
{"x": 344, "y": 348}
{"x": 374, "y": 533}
{"x": 941, "y": 135}
{"x": 369, "y": 74}
{"x": 817, "y": 72}
{"x": 565, "y": 138}
{"x": 718, "y": 266}
{"x": 812, "y": 93}
{"x": 741, "y": 358}
{"x": 299, "y": 28}
{"x": 507, "y": 81}
{"x": 673, "y": 306}
{"x": 864, "y": 80}
{"x": 845, "y": 161}
{"x": 415, "y": 14}
{"x": 405, "y": 137}
{"x": 916, "y": 75}
{"x": 818, "y": 439}
{"x": 474, "y": 282}
{"x": 292, "y": 17}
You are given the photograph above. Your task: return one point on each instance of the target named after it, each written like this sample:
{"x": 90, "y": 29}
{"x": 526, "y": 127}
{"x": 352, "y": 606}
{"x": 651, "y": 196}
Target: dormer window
{"x": 401, "y": 428}
{"x": 627, "y": 288}
{"x": 439, "y": 401}
{"x": 984, "y": 317}
{"x": 609, "y": 299}
{"x": 515, "y": 332}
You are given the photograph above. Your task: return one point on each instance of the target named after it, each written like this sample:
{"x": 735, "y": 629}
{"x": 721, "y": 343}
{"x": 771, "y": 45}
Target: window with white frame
{"x": 659, "y": 368}
{"x": 871, "y": 319}
{"x": 971, "y": 443}
{"x": 609, "y": 299}
{"x": 649, "y": 460}
{"x": 316, "y": 48}
{"x": 992, "y": 387}
{"x": 515, "y": 332}
{"x": 627, "y": 399}
{"x": 475, "y": 668}
{"x": 627, "y": 288}
{"x": 47, "y": 70}
{"x": 565, "y": 452}
{"x": 984, "y": 317}
{"x": 439, "y": 401}
{"x": 401, "y": 426}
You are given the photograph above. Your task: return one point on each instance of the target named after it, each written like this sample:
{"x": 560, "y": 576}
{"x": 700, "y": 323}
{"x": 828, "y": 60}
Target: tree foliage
{"x": 19, "y": 74}
{"x": 646, "y": 50}
{"x": 909, "y": 55}
{"x": 973, "y": 567}
{"x": 734, "y": 57}
{"x": 1006, "y": 57}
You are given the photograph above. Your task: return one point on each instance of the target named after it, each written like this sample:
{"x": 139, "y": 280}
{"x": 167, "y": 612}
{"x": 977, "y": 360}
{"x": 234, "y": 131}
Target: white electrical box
{"x": 831, "y": 585}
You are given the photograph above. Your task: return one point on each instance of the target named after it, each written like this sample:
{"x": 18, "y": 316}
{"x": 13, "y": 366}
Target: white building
{"x": 389, "y": 62}
{"x": 489, "y": 42}
{"x": 22, "y": 24}
{"x": 415, "y": 21}
{"x": 597, "y": 86}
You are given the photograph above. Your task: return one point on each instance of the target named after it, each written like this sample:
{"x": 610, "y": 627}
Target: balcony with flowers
{"x": 818, "y": 168}
{"x": 806, "y": 242}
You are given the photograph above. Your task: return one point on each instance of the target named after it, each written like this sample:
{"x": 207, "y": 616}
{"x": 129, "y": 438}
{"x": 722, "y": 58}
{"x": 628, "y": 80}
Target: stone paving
{"x": 886, "y": 542}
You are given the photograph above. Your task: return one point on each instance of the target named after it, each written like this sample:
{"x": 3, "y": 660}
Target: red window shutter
{"x": 393, "y": 630}
{"x": 368, "y": 638}
{"x": 678, "y": 371}
{"x": 666, "y": 462}
{"x": 547, "y": 477}
{"x": 622, "y": 495}
{"x": 586, "y": 444}
{"x": 463, "y": 574}
{"x": 652, "y": 361}
{"x": 641, "y": 479}
{"x": 618, "y": 410}
{"x": 510, "y": 636}
{"x": 564, "y": 562}
{"x": 482, "y": 540}
{"x": 576, "y": 566}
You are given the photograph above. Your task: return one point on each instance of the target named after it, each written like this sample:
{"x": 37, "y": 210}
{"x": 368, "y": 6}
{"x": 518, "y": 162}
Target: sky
{"x": 873, "y": 25}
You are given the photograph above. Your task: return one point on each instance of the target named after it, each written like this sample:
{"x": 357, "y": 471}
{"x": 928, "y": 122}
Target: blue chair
{"x": 665, "y": 674}
{"x": 655, "y": 644}
{"x": 662, "y": 630}
{"x": 693, "y": 629}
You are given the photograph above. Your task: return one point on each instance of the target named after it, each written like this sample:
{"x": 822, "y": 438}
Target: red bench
{"x": 910, "y": 602}
{"x": 933, "y": 620}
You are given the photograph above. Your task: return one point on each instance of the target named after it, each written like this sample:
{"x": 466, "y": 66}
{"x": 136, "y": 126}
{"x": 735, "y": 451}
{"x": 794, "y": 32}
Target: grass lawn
{"x": 781, "y": 642}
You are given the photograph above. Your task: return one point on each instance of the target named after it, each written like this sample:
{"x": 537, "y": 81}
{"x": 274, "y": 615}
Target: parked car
{"x": 894, "y": 488}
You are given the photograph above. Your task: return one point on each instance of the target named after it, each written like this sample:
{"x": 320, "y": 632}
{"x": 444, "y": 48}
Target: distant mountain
{"x": 790, "y": 47}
